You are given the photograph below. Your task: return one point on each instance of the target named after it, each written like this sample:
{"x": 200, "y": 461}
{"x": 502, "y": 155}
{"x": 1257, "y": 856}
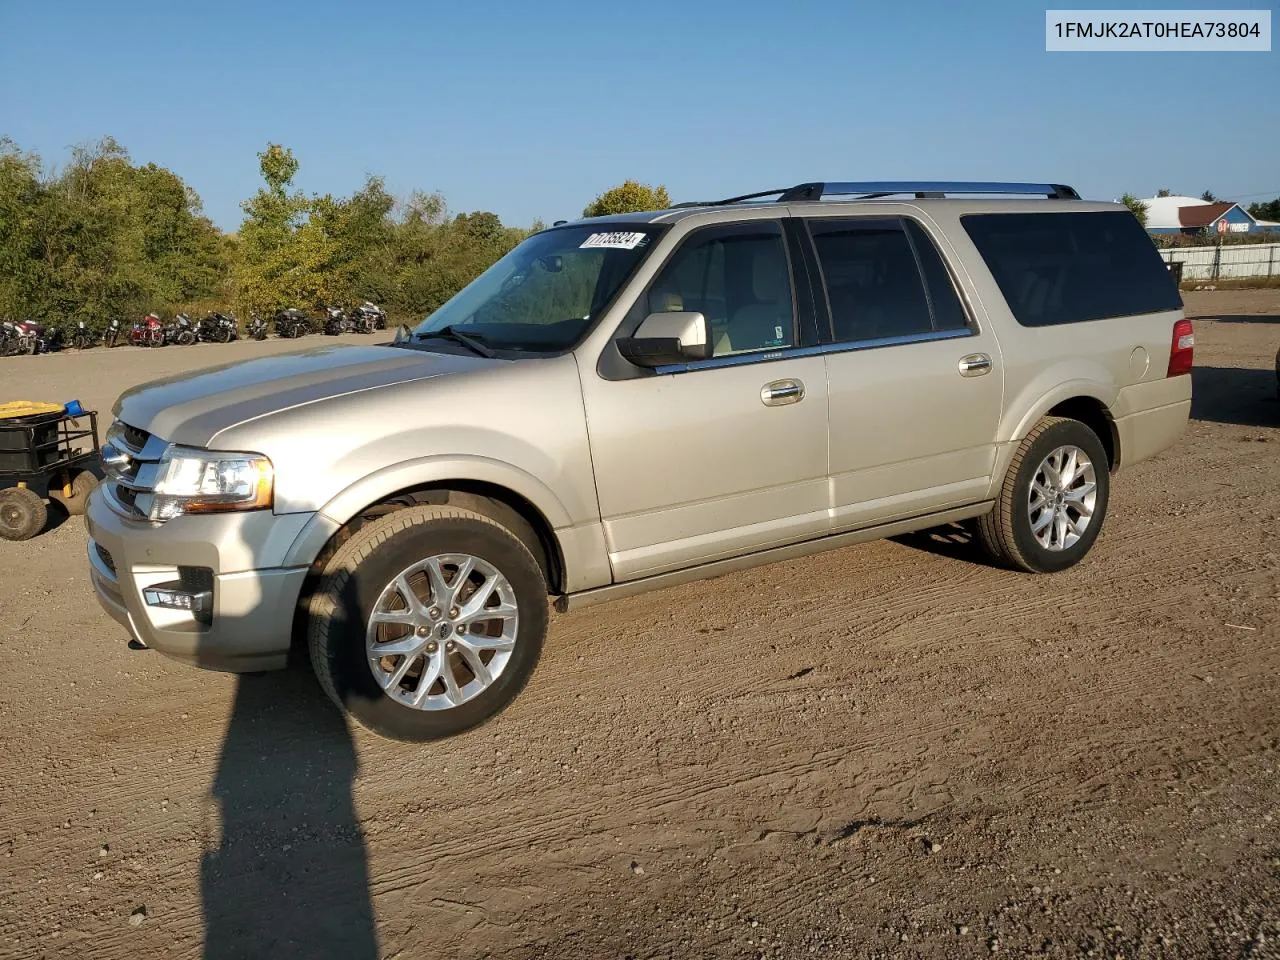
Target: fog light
{"x": 173, "y": 597}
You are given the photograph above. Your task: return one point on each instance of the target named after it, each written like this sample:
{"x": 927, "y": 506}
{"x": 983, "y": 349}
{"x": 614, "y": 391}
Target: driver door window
{"x": 739, "y": 278}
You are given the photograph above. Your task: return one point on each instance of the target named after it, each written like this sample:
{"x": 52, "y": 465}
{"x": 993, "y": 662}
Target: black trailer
{"x": 46, "y": 453}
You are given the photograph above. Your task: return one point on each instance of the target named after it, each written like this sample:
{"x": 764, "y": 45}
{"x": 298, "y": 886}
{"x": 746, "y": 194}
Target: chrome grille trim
{"x": 131, "y": 461}
{"x": 125, "y": 438}
{"x": 141, "y": 477}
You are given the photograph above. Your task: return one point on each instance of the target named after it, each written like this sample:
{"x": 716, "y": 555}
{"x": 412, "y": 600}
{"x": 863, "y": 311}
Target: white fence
{"x": 1233, "y": 262}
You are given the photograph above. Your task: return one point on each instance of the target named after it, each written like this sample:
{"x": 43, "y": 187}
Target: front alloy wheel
{"x": 428, "y": 621}
{"x": 442, "y": 632}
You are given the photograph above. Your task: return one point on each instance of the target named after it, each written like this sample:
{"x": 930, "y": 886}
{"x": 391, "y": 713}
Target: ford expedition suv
{"x": 625, "y": 403}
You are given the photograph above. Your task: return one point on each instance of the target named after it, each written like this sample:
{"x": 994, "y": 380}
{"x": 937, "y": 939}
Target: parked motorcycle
{"x": 80, "y": 337}
{"x": 217, "y": 328}
{"x": 257, "y": 327}
{"x": 148, "y": 332}
{"x": 291, "y": 323}
{"x": 12, "y": 341}
{"x": 180, "y": 330}
{"x": 111, "y": 335}
{"x": 367, "y": 318}
{"x": 22, "y": 337}
{"x": 335, "y": 322}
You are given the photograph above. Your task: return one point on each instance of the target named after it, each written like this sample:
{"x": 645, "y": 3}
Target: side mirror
{"x": 665, "y": 338}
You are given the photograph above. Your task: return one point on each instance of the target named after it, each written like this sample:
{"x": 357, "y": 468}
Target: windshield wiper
{"x": 471, "y": 341}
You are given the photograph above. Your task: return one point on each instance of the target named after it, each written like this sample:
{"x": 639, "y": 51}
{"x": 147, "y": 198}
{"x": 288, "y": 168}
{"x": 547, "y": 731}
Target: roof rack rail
{"x": 921, "y": 189}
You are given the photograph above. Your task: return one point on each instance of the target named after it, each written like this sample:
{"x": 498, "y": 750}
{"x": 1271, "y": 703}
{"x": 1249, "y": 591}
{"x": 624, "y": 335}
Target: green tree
{"x": 1208, "y": 197}
{"x": 283, "y": 260}
{"x": 1163, "y": 192}
{"x": 1266, "y": 211}
{"x": 106, "y": 238}
{"x": 1137, "y": 206}
{"x": 630, "y": 196}
{"x": 103, "y": 239}
{"x": 21, "y": 195}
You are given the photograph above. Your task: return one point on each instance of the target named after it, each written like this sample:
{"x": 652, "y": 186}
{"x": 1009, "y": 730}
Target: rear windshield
{"x": 1071, "y": 267}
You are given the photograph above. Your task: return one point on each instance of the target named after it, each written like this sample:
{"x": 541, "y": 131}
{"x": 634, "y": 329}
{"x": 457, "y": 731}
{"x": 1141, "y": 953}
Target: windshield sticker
{"x": 613, "y": 241}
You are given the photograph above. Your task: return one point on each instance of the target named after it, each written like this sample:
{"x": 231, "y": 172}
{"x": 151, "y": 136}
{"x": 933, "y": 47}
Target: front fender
{"x": 439, "y": 469}
{"x": 390, "y": 480}
{"x": 582, "y": 548}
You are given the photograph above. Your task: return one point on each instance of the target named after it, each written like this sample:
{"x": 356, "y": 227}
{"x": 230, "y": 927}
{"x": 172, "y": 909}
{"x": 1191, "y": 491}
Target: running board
{"x": 629, "y": 588}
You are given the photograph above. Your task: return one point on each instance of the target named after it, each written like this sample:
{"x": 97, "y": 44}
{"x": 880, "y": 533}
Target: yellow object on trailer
{"x": 28, "y": 408}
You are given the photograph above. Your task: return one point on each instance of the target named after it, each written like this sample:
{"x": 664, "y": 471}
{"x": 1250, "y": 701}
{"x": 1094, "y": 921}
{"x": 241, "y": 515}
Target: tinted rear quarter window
{"x": 1058, "y": 268}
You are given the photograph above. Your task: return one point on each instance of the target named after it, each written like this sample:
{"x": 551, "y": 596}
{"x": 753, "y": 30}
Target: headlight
{"x": 205, "y": 481}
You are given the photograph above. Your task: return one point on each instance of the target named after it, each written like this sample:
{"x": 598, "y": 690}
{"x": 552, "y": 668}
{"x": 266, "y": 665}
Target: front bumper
{"x": 254, "y": 597}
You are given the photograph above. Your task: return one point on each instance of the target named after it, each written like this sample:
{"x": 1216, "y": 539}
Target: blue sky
{"x": 530, "y": 109}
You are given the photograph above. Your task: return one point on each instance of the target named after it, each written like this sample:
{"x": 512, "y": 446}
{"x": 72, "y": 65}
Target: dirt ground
{"x": 891, "y": 750}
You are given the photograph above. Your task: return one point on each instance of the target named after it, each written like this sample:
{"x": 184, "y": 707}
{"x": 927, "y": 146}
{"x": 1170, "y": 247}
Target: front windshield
{"x": 544, "y": 294}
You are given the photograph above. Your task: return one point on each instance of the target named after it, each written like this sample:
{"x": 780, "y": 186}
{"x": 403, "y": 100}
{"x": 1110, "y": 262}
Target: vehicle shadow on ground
{"x": 289, "y": 876}
{"x": 1235, "y": 395}
{"x": 955, "y": 541}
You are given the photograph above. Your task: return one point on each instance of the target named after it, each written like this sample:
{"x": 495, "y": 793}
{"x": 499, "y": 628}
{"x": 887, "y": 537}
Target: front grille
{"x": 105, "y": 556}
{"x": 129, "y": 459}
{"x": 134, "y": 437}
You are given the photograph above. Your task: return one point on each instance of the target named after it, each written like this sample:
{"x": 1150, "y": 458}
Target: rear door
{"x": 915, "y": 384}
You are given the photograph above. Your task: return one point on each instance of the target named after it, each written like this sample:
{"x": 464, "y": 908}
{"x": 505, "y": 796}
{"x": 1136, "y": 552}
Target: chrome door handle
{"x": 780, "y": 392}
{"x": 975, "y": 365}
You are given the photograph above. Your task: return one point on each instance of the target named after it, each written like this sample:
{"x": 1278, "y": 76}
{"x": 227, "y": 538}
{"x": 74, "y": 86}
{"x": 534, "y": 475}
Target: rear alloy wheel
{"x": 22, "y": 513}
{"x": 428, "y": 622}
{"x": 1054, "y": 499}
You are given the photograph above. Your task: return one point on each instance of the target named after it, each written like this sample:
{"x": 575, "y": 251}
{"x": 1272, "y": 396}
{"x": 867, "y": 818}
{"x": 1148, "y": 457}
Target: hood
{"x": 193, "y": 407}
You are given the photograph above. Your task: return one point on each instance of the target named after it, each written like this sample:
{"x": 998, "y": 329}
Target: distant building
{"x": 1191, "y": 215}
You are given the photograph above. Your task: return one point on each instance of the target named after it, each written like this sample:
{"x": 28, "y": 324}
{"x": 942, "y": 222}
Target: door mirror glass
{"x": 664, "y": 338}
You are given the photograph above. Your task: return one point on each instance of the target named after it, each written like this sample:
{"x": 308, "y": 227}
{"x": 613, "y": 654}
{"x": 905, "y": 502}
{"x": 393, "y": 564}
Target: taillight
{"x": 1182, "y": 352}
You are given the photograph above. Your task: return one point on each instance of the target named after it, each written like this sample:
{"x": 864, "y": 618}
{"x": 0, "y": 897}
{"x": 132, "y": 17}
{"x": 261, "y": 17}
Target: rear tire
{"x": 364, "y": 577}
{"x": 1069, "y": 516}
{"x": 23, "y": 514}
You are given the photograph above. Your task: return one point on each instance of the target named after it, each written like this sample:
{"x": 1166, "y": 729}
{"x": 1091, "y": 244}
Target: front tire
{"x": 1053, "y": 501}
{"x": 428, "y": 622}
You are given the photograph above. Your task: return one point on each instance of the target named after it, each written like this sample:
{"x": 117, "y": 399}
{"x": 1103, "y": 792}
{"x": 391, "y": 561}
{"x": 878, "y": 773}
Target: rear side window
{"x": 883, "y": 278}
{"x": 1072, "y": 267}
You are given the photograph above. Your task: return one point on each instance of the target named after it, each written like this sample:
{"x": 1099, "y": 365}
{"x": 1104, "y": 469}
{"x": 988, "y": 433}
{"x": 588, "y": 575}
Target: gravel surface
{"x": 891, "y": 750}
